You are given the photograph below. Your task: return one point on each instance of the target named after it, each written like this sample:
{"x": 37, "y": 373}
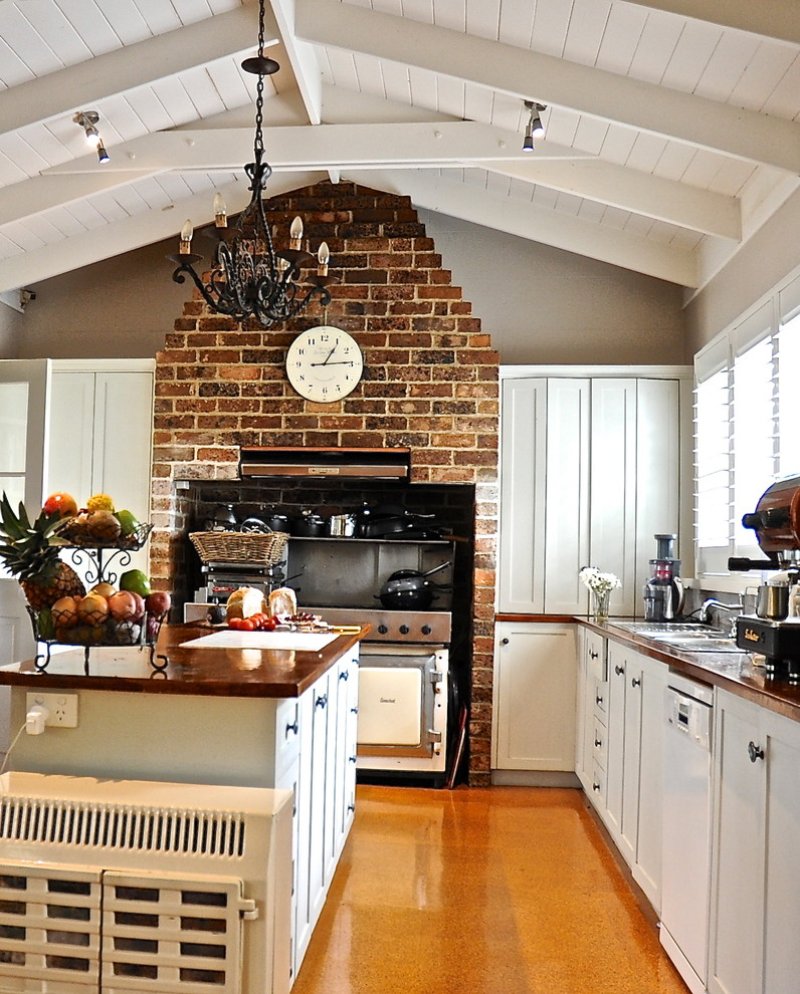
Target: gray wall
{"x": 540, "y": 305}
{"x": 544, "y": 305}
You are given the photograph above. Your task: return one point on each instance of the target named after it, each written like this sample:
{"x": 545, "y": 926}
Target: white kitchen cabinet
{"x": 591, "y": 468}
{"x": 634, "y": 766}
{"x": 535, "y": 697}
{"x": 755, "y": 887}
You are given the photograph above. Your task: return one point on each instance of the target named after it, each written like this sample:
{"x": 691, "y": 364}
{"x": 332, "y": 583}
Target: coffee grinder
{"x": 663, "y": 591}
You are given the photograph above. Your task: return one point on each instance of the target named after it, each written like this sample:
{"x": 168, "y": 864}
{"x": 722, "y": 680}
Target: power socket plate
{"x": 63, "y": 708}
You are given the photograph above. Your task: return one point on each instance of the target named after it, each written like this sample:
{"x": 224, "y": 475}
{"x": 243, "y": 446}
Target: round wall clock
{"x": 324, "y": 364}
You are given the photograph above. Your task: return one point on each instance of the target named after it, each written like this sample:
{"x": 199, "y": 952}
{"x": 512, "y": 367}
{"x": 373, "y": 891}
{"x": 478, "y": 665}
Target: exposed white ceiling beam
{"x": 770, "y": 18}
{"x": 517, "y": 217}
{"x": 323, "y": 146}
{"x": 124, "y": 236}
{"x": 597, "y": 92}
{"x": 632, "y": 190}
{"x": 86, "y": 83}
{"x": 302, "y": 59}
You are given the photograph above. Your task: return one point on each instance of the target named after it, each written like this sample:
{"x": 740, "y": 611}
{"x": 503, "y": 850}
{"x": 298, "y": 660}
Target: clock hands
{"x": 343, "y": 362}
{"x": 325, "y": 363}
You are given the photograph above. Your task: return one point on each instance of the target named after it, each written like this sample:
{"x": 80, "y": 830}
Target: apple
{"x": 63, "y": 503}
{"x": 158, "y": 603}
{"x": 123, "y": 606}
{"x": 93, "y": 609}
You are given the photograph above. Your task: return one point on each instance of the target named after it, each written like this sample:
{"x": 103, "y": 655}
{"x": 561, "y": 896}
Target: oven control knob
{"x": 426, "y": 629}
{"x": 383, "y": 629}
{"x": 404, "y": 629}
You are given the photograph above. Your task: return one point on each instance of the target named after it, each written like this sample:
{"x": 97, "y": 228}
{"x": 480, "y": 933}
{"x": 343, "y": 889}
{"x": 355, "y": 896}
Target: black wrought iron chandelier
{"x": 248, "y": 278}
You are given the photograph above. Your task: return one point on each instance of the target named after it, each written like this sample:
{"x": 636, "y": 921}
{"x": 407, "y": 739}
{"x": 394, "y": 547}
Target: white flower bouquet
{"x": 600, "y": 586}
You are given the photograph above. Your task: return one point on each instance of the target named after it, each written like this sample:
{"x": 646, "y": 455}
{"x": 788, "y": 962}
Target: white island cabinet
{"x": 755, "y": 886}
{"x": 241, "y": 718}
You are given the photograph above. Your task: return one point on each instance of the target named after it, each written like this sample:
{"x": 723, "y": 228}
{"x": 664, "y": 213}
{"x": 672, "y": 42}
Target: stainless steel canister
{"x": 772, "y": 601}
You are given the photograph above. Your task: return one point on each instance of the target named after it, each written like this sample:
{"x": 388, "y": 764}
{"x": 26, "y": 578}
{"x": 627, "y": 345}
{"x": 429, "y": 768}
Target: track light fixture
{"x": 534, "y": 128}
{"x": 87, "y": 119}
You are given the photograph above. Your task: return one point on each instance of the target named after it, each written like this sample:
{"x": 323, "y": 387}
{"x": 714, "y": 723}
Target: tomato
{"x": 247, "y": 625}
{"x": 236, "y": 624}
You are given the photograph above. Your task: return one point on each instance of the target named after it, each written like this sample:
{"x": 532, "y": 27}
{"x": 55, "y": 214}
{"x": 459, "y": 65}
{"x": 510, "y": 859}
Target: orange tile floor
{"x": 503, "y": 890}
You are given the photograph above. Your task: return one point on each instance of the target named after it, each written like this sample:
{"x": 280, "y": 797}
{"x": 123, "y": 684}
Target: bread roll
{"x": 282, "y": 603}
{"x": 245, "y": 602}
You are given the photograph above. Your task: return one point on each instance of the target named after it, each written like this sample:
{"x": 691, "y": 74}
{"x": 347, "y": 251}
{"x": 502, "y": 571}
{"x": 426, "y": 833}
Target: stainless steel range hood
{"x": 310, "y": 462}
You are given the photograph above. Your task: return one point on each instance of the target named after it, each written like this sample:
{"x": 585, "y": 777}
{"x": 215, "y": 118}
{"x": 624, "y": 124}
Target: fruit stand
{"x": 99, "y": 541}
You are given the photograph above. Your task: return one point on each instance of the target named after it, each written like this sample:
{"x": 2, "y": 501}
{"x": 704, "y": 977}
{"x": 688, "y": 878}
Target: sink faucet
{"x": 720, "y": 605}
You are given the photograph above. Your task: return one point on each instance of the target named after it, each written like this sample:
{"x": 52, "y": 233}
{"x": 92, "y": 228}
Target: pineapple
{"x": 30, "y": 555}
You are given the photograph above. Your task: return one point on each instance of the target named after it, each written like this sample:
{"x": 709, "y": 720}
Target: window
{"x": 746, "y": 425}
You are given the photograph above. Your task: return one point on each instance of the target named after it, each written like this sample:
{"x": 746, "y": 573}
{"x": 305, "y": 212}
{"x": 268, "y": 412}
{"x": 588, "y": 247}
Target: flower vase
{"x": 600, "y": 605}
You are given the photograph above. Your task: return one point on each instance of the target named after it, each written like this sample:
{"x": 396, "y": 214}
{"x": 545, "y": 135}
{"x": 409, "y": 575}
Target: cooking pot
{"x": 385, "y": 523}
{"x": 223, "y": 519}
{"x": 341, "y": 525}
{"x": 253, "y": 525}
{"x": 410, "y": 589}
{"x": 307, "y": 525}
{"x": 275, "y": 521}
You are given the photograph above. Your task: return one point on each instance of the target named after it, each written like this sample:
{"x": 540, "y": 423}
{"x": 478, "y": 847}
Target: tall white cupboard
{"x": 593, "y": 463}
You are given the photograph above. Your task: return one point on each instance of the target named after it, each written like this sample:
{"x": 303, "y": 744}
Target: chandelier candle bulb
{"x": 186, "y": 238}
{"x": 220, "y": 211}
{"x": 323, "y": 258}
{"x": 296, "y": 233}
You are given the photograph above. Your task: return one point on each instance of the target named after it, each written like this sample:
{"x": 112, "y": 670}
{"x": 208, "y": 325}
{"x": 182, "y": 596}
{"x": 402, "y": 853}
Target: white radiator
{"x": 133, "y": 886}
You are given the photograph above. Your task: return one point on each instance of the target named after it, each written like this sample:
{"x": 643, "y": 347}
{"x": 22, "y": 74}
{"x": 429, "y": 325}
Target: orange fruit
{"x": 65, "y": 504}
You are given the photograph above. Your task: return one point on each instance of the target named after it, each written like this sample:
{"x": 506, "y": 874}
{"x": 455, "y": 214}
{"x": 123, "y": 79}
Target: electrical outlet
{"x": 63, "y": 708}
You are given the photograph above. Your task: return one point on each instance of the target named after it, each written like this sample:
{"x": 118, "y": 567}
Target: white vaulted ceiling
{"x": 672, "y": 126}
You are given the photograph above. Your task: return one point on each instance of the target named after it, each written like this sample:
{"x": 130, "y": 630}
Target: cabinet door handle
{"x": 598, "y": 700}
{"x": 344, "y": 675}
{"x": 294, "y": 727}
{"x": 593, "y": 654}
{"x": 619, "y": 670}
{"x": 596, "y": 786}
{"x": 636, "y": 681}
{"x": 354, "y": 710}
{"x": 503, "y": 641}
{"x": 755, "y": 752}
{"x": 351, "y": 807}
{"x": 321, "y": 701}
{"x": 352, "y": 759}
{"x": 597, "y": 743}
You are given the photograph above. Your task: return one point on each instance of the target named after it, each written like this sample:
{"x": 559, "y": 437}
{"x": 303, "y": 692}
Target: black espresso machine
{"x": 776, "y": 523}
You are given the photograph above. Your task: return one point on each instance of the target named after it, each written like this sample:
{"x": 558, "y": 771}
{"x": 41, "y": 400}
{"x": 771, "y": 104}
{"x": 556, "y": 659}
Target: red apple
{"x": 158, "y": 603}
{"x": 123, "y": 606}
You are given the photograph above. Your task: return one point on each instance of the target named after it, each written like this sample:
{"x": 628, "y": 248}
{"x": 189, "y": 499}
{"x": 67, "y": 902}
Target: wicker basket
{"x": 239, "y": 547}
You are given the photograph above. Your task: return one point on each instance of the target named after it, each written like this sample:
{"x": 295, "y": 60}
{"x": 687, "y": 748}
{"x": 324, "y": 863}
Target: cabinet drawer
{"x": 596, "y": 655}
{"x": 287, "y": 734}
{"x": 599, "y": 743}
{"x": 598, "y": 791}
{"x": 601, "y": 700}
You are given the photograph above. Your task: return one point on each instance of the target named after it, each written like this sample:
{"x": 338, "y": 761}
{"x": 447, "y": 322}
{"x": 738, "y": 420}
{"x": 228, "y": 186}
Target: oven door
{"x": 402, "y": 708}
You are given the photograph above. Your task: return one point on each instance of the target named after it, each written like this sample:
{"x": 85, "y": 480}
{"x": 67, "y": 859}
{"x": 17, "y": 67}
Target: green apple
{"x": 128, "y": 521}
{"x": 136, "y": 581}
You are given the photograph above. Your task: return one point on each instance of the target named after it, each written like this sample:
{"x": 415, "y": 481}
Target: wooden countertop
{"x": 207, "y": 671}
{"x": 733, "y": 671}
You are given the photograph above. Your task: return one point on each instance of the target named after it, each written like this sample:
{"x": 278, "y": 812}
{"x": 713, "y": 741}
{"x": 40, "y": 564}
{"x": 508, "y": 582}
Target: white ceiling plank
{"x": 727, "y": 65}
{"x": 483, "y": 18}
{"x": 770, "y": 18}
{"x": 43, "y": 262}
{"x": 125, "y": 19}
{"x": 638, "y": 104}
{"x": 658, "y": 40}
{"x": 516, "y": 24}
{"x": 764, "y": 72}
{"x": 86, "y": 83}
{"x": 44, "y": 193}
{"x": 369, "y": 76}
{"x": 529, "y": 221}
{"x": 586, "y": 30}
{"x": 630, "y": 190}
{"x": 783, "y": 99}
{"x": 550, "y": 26}
{"x": 57, "y": 32}
{"x": 690, "y": 56}
{"x": 301, "y": 58}
{"x": 440, "y": 142}
{"x": 624, "y": 29}
{"x": 90, "y": 24}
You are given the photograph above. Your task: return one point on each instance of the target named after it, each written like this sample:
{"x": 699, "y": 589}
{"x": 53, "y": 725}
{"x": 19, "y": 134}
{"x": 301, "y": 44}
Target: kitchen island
{"x": 246, "y": 716}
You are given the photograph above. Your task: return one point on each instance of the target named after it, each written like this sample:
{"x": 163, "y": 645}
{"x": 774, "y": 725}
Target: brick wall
{"x": 430, "y": 383}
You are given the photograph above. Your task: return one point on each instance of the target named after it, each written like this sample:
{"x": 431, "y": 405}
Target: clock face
{"x": 324, "y": 364}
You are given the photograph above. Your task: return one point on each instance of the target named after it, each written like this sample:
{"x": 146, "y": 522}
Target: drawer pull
{"x": 503, "y": 641}
{"x": 294, "y": 727}
{"x": 596, "y": 786}
{"x": 598, "y": 699}
{"x": 352, "y": 759}
{"x": 597, "y": 743}
{"x": 593, "y": 654}
{"x": 351, "y": 808}
{"x": 619, "y": 670}
{"x": 344, "y": 675}
{"x": 354, "y": 710}
{"x": 756, "y": 752}
{"x": 321, "y": 701}
{"x": 636, "y": 681}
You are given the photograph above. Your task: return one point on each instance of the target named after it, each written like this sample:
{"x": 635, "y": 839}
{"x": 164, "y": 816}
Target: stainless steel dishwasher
{"x": 686, "y": 848}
